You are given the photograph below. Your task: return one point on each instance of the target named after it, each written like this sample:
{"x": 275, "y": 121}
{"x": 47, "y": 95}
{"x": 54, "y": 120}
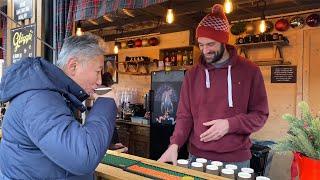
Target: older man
{"x": 42, "y": 136}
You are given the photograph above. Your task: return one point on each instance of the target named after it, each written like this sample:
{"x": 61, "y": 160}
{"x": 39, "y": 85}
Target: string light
{"x": 170, "y": 16}
{"x": 228, "y": 7}
{"x": 79, "y": 31}
{"x": 261, "y": 4}
{"x": 116, "y": 49}
{"x": 262, "y": 26}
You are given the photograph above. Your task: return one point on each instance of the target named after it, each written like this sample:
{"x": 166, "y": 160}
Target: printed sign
{"x": 283, "y": 74}
{"x": 23, "y": 42}
{"x": 22, "y": 9}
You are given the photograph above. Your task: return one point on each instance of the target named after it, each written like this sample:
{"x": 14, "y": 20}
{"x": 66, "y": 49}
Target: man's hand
{"x": 171, "y": 155}
{"x": 218, "y": 129}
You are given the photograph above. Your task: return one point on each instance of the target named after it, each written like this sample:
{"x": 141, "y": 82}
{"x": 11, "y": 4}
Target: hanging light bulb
{"x": 116, "y": 49}
{"x": 79, "y": 31}
{"x": 170, "y": 16}
{"x": 228, "y": 7}
{"x": 262, "y": 26}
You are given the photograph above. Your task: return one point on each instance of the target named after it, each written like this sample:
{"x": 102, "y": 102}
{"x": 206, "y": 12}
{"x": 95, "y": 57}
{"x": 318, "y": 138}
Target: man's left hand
{"x": 218, "y": 129}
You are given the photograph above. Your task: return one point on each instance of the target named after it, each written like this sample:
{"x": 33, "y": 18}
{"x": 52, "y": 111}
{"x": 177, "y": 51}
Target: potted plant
{"x": 303, "y": 139}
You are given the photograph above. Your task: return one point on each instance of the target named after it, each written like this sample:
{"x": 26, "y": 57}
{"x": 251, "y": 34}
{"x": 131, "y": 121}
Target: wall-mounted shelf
{"x": 277, "y": 49}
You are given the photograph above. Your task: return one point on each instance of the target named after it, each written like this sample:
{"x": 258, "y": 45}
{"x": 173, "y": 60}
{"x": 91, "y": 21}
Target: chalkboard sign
{"x": 22, "y": 9}
{"x": 283, "y": 74}
{"x": 23, "y": 42}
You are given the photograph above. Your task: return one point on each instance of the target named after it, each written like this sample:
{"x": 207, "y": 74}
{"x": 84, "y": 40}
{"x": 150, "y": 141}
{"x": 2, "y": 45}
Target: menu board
{"x": 22, "y": 9}
{"x": 23, "y": 42}
{"x": 283, "y": 74}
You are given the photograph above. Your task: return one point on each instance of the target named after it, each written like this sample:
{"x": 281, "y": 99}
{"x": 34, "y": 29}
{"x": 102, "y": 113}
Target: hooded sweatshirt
{"x": 41, "y": 137}
{"x": 234, "y": 91}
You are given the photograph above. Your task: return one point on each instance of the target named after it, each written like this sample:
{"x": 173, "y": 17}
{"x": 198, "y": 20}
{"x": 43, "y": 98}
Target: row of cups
{"x": 216, "y": 168}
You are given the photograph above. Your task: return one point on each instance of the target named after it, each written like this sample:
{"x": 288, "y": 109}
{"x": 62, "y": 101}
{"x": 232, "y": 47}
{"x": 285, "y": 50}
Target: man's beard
{"x": 217, "y": 55}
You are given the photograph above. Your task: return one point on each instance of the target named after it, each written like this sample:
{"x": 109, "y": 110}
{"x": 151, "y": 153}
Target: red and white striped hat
{"x": 214, "y": 25}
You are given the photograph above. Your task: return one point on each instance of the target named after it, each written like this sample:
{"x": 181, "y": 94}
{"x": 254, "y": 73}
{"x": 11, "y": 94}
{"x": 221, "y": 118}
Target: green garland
{"x": 303, "y": 135}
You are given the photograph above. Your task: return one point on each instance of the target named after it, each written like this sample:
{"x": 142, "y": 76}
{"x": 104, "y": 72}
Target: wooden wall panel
{"x": 311, "y": 66}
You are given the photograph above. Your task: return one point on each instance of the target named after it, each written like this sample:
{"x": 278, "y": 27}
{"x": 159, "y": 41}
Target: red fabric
{"x": 214, "y": 26}
{"x": 199, "y": 104}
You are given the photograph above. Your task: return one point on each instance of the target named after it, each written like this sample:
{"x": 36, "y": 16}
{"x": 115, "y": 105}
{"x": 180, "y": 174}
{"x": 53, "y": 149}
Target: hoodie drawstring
{"x": 230, "y": 101}
{"x": 207, "y": 79}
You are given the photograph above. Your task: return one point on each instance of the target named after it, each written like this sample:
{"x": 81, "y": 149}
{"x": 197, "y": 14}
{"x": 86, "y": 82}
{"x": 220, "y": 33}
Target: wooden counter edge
{"x": 190, "y": 172}
{"x": 110, "y": 172}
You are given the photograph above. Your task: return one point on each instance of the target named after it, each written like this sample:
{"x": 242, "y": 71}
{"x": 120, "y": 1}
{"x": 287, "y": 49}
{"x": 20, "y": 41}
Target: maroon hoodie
{"x": 235, "y": 92}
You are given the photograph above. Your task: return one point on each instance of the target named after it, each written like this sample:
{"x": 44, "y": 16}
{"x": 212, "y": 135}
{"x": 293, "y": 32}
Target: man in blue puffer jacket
{"x": 42, "y": 138}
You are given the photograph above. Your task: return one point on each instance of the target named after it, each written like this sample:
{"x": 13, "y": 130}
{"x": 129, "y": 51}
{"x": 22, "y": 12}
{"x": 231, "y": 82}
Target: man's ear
{"x": 72, "y": 66}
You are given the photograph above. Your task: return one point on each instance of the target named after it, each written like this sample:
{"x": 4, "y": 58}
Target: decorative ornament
{"x": 123, "y": 44}
{"x": 250, "y": 28}
{"x": 282, "y": 25}
{"x": 313, "y": 20}
{"x": 269, "y": 26}
{"x": 153, "y": 41}
{"x": 130, "y": 44}
{"x": 138, "y": 43}
{"x": 297, "y": 22}
{"x": 238, "y": 28}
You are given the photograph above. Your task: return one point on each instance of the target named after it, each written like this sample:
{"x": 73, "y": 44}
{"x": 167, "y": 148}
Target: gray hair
{"x": 83, "y": 48}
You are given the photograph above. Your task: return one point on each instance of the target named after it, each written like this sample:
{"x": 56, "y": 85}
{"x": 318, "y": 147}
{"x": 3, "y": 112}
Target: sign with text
{"x": 283, "y": 74}
{"x": 22, "y": 9}
{"x": 23, "y": 42}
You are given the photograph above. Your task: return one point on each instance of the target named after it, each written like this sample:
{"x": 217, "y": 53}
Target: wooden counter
{"x": 109, "y": 172}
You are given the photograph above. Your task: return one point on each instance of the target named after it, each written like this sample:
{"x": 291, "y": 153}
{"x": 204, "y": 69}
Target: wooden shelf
{"x": 263, "y": 44}
{"x": 134, "y": 73}
{"x": 271, "y": 61}
{"x": 277, "y": 58}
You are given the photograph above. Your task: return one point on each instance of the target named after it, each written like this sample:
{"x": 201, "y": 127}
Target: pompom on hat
{"x": 214, "y": 25}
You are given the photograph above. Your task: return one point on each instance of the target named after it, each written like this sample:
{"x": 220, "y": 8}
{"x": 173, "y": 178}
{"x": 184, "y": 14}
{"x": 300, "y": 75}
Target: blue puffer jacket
{"x": 41, "y": 137}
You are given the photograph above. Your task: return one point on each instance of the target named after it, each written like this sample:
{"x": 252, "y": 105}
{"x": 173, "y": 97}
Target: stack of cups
{"x": 248, "y": 170}
{"x": 244, "y": 176}
{"x": 182, "y": 163}
{"x": 212, "y": 169}
{"x": 227, "y": 173}
{"x": 203, "y": 162}
{"x": 218, "y": 164}
{"x": 197, "y": 166}
{"x": 262, "y": 178}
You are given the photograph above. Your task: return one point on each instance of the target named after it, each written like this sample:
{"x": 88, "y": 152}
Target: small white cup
{"x": 201, "y": 160}
{"x": 247, "y": 170}
{"x": 231, "y": 166}
{"x": 197, "y": 166}
{"x": 212, "y": 169}
{"x": 244, "y": 176}
{"x": 182, "y": 163}
{"x": 228, "y": 173}
{"x": 262, "y": 178}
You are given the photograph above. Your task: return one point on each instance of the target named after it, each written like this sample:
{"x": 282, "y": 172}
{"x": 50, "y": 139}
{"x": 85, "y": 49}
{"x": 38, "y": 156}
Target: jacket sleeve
{"x": 52, "y": 127}
{"x": 184, "y": 121}
{"x": 258, "y": 110}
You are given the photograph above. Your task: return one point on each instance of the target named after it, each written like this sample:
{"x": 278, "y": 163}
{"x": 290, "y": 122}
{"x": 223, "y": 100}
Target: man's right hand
{"x": 171, "y": 155}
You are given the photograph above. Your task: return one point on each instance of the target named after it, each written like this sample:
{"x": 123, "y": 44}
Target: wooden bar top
{"x": 110, "y": 172}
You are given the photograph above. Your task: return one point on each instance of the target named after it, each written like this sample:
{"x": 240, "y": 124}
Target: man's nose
{"x": 205, "y": 49}
{"x": 99, "y": 80}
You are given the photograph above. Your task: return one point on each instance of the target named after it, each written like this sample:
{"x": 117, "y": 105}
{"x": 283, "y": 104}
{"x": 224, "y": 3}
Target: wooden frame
{"x": 111, "y": 66}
